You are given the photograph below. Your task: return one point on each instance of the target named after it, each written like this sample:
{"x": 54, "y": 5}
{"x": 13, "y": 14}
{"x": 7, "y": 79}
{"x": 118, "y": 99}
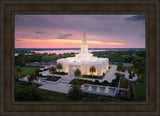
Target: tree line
{"x": 114, "y": 56}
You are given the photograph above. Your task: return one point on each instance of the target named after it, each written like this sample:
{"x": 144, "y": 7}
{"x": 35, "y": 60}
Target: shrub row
{"x": 93, "y": 77}
{"x": 114, "y": 82}
{"x": 61, "y": 73}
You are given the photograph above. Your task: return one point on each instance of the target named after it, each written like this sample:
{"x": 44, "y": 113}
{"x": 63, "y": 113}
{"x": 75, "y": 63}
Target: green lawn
{"x": 140, "y": 91}
{"x": 53, "y": 96}
{"x": 26, "y": 70}
{"x": 37, "y": 94}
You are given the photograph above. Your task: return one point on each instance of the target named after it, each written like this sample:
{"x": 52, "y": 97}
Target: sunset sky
{"x": 66, "y": 31}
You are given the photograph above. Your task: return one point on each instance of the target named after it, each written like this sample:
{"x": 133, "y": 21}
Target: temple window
{"x": 74, "y": 67}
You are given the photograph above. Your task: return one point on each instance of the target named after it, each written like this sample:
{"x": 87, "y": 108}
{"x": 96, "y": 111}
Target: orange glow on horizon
{"x": 46, "y": 43}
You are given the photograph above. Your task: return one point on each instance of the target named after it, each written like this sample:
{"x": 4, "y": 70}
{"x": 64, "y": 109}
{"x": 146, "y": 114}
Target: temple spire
{"x": 84, "y": 35}
{"x": 84, "y": 45}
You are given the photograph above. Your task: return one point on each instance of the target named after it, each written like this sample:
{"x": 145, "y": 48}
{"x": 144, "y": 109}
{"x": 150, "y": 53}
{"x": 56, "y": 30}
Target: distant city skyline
{"x": 66, "y": 31}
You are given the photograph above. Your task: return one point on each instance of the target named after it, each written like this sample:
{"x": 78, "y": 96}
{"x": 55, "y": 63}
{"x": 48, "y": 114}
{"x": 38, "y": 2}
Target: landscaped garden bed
{"x": 55, "y": 78}
{"x": 28, "y": 84}
{"x": 114, "y": 82}
{"x": 93, "y": 77}
{"x": 61, "y": 73}
{"x": 125, "y": 95}
{"x": 80, "y": 82}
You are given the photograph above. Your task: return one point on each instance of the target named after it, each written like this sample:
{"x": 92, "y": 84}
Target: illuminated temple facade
{"x": 83, "y": 61}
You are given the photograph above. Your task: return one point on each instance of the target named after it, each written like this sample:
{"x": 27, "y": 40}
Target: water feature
{"x": 82, "y": 87}
{"x": 38, "y": 80}
{"x": 97, "y": 89}
{"x": 106, "y": 89}
{"x": 90, "y": 88}
{"x": 26, "y": 78}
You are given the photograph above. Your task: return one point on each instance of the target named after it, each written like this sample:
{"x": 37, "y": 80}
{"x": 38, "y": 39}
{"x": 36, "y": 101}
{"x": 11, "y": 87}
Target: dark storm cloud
{"x": 65, "y": 36}
{"x": 136, "y": 18}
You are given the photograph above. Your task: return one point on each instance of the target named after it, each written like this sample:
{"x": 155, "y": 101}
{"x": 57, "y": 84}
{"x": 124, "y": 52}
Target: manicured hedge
{"x": 114, "y": 83}
{"x": 93, "y": 77}
{"x": 61, "y": 73}
{"x": 81, "y": 82}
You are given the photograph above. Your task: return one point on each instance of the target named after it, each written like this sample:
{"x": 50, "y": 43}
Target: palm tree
{"x": 120, "y": 66}
{"x": 92, "y": 70}
{"x": 140, "y": 71}
{"x": 77, "y": 73}
{"x": 75, "y": 93}
{"x": 59, "y": 66}
{"x": 52, "y": 70}
{"x": 75, "y": 82}
{"x": 32, "y": 78}
{"x": 19, "y": 71}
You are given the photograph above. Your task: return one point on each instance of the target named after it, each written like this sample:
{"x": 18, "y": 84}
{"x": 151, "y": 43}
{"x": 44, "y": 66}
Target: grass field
{"x": 26, "y": 70}
{"x": 53, "y": 96}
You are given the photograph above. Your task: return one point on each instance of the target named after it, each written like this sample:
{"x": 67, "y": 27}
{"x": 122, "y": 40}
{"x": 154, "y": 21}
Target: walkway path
{"x": 63, "y": 86}
{"x": 58, "y": 87}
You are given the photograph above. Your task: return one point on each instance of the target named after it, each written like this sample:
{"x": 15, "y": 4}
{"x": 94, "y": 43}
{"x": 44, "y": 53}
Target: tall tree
{"x": 59, "y": 66}
{"x": 52, "y": 70}
{"x": 140, "y": 71}
{"x": 92, "y": 70}
{"x": 120, "y": 66}
{"x": 19, "y": 71}
{"x": 75, "y": 93}
{"x": 77, "y": 73}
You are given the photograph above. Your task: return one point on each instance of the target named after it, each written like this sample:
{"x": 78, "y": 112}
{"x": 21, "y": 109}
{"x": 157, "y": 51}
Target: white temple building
{"x": 83, "y": 61}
